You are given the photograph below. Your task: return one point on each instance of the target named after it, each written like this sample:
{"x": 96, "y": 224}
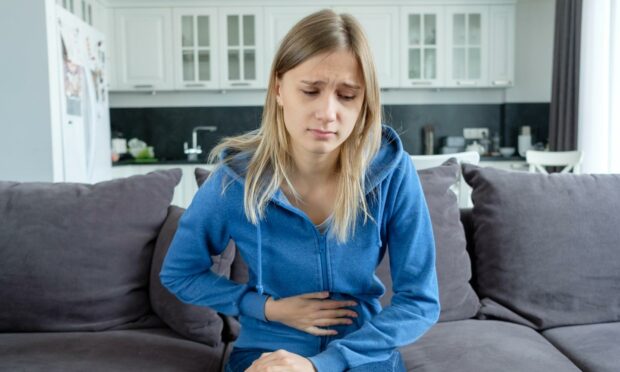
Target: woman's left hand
{"x": 281, "y": 360}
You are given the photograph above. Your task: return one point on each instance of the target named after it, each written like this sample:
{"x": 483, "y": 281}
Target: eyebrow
{"x": 322, "y": 82}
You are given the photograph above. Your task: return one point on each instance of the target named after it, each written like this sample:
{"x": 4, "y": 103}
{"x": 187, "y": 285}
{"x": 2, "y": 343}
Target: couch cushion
{"x": 457, "y": 297}
{"x": 76, "y": 257}
{"x": 135, "y": 350}
{"x": 546, "y": 246}
{"x": 483, "y": 345}
{"x": 198, "y": 323}
{"x": 592, "y": 347}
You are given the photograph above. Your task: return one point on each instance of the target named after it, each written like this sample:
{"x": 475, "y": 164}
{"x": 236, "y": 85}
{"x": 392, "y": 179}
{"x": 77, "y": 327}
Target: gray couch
{"x": 529, "y": 279}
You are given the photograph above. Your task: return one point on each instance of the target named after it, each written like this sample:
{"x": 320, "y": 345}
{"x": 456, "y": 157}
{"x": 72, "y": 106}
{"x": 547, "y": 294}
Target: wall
{"x": 28, "y": 148}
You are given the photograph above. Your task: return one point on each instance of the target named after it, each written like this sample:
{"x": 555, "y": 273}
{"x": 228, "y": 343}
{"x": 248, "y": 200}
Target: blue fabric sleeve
{"x": 415, "y": 304}
{"x": 186, "y": 270}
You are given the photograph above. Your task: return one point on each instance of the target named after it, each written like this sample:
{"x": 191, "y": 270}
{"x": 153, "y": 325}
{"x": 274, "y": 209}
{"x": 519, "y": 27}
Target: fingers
{"x": 320, "y": 332}
{"x": 323, "y": 294}
{"x": 330, "y": 322}
{"x": 332, "y": 304}
{"x": 335, "y": 314}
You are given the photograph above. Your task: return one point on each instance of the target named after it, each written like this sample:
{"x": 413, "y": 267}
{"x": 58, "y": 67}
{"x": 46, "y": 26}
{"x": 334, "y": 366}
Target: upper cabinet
{"x": 195, "y": 48}
{"x": 143, "y": 49}
{"x": 501, "y": 45}
{"x": 241, "y": 48}
{"x": 278, "y": 22}
{"x": 422, "y": 52}
{"x": 428, "y": 45}
{"x": 467, "y": 47}
{"x": 380, "y": 24}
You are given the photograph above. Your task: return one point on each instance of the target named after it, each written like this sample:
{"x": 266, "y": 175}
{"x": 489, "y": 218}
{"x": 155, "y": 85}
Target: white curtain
{"x": 599, "y": 93}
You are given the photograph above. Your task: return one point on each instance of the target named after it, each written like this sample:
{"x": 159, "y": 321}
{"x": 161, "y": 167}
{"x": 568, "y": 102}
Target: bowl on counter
{"x": 507, "y": 151}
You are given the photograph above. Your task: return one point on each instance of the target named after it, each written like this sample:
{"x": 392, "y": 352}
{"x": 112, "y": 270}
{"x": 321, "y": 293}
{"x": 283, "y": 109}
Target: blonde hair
{"x": 268, "y": 147}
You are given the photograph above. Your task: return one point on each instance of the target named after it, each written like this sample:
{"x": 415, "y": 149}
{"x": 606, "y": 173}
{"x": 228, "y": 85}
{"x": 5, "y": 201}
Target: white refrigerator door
{"x": 84, "y": 101}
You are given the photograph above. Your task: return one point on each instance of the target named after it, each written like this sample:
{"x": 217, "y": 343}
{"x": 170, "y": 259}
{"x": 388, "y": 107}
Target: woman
{"x": 312, "y": 200}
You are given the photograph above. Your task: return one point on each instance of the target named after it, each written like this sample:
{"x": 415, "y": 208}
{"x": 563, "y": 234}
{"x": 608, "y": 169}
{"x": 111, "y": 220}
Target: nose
{"x": 327, "y": 107}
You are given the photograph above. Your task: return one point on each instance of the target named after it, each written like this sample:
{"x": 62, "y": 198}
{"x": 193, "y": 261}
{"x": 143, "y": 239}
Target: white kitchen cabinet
{"x": 423, "y": 45}
{"x": 185, "y": 190}
{"x": 241, "y": 47}
{"x": 195, "y": 48}
{"x": 143, "y": 46}
{"x": 278, "y": 21}
{"x": 501, "y": 45}
{"x": 467, "y": 46}
{"x": 380, "y": 25}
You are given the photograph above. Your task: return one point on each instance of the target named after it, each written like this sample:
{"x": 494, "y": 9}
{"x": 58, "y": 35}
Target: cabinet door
{"x": 195, "y": 48}
{"x": 143, "y": 49}
{"x": 423, "y": 46}
{"x": 380, "y": 25}
{"x": 278, "y": 22}
{"x": 501, "y": 45}
{"x": 241, "y": 48}
{"x": 467, "y": 49}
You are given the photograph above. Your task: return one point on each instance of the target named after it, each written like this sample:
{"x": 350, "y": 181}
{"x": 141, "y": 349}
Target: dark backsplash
{"x": 167, "y": 128}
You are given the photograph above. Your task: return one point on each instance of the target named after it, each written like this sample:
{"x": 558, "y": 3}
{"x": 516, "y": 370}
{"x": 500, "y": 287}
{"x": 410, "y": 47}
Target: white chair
{"x": 538, "y": 160}
{"x": 460, "y": 188}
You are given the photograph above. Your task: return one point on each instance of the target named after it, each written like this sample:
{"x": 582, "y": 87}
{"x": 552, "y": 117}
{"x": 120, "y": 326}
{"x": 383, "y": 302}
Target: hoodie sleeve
{"x": 415, "y": 304}
{"x": 186, "y": 270}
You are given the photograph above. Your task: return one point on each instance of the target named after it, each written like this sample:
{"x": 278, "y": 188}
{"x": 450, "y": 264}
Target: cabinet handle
{"x": 465, "y": 83}
{"x": 143, "y": 86}
{"x": 502, "y": 82}
{"x": 421, "y": 82}
{"x": 194, "y": 85}
{"x": 240, "y": 84}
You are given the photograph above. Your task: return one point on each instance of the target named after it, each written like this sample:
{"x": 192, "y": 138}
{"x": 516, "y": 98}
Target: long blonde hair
{"x": 268, "y": 147}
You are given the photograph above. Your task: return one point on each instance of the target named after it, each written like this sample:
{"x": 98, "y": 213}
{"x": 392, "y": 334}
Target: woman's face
{"x": 321, "y": 99}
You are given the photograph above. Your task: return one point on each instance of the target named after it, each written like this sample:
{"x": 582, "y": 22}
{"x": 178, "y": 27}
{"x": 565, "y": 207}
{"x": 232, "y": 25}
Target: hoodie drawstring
{"x": 259, "y": 271}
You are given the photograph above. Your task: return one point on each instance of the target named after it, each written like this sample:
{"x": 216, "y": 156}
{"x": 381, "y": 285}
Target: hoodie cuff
{"x": 253, "y": 304}
{"x": 329, "y": 360}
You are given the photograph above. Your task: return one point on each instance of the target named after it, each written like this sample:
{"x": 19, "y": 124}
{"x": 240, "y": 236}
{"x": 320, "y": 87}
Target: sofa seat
{"x": 128, "y": 350}
{"x": 483, "y": 345}
{"x": 592, "y": 347}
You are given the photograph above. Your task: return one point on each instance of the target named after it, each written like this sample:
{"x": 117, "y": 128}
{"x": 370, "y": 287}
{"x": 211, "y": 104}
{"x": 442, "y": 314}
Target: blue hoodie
{"x": 287, "y": 256}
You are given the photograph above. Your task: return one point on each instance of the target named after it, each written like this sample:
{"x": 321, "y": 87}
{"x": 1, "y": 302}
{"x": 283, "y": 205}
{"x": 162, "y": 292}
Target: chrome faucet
{"x": 193, "y": 152}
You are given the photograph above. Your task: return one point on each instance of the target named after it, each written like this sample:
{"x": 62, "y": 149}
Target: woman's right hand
{"x": 309, "y": 311}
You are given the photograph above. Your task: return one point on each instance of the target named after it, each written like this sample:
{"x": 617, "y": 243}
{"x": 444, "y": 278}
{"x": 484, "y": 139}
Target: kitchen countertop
{"x": 199, "y": 162}
{"x": 501, "y": 158}
{"x": 158, "y": 162}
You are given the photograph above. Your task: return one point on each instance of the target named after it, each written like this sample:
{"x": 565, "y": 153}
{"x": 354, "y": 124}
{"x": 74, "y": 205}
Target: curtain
{"x": 564, "y": 108}
{"x": 599, "y": 102}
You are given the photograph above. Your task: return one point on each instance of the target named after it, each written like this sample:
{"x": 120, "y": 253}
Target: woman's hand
{"x": 309, "y": 311}
{"x": 281, "y": 360}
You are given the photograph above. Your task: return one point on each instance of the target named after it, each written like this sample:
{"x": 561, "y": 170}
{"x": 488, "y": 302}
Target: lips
{"x": 320, "y": 131}
{"x": 322, "y": 135}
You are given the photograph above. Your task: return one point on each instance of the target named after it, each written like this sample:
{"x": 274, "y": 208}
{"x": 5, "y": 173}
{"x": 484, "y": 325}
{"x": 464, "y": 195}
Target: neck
{"x": 312, "y": 169}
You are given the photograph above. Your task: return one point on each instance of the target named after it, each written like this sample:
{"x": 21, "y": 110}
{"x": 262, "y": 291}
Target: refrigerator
{"x": 84, "y": 110}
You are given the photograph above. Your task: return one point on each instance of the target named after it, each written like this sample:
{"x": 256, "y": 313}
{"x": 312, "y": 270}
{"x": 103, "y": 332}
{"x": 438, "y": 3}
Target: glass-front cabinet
{"x": 422, "y": 33}
{"x": 467, "y": 46}
{"x": 241, "y": 41}
{"x": 195, "y": 48}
